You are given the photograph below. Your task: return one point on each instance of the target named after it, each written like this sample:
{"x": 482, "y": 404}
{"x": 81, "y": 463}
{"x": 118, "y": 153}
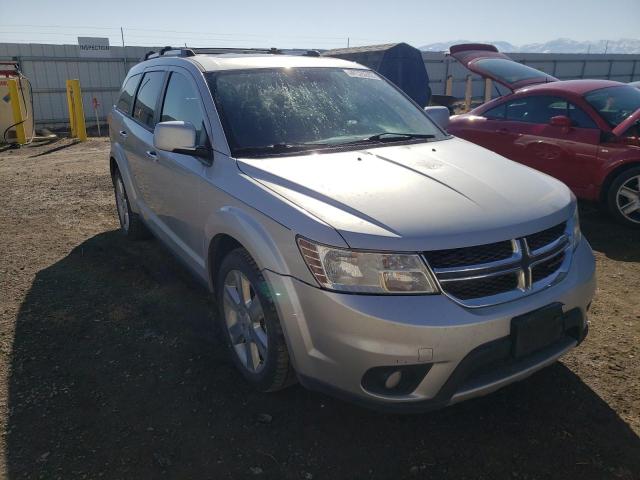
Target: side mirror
{"x": 178, "y": 137}
{"x": 561, "y": 121}
{"x": 439, "y": 114}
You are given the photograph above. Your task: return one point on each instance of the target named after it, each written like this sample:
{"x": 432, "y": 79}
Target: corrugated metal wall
{"x": 48, "y": 66}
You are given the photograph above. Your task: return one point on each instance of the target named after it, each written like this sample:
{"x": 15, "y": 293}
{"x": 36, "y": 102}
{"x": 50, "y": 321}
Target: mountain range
{"x": 559, "y": 45}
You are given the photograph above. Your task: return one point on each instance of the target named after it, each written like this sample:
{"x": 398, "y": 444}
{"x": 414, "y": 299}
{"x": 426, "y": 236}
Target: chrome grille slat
{"x": 506, "y": 278}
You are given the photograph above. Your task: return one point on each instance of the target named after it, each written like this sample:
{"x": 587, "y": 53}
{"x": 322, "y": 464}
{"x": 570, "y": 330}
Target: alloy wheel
{"x": 628, "y": 199}
{"x": 122, "y": 204}
{"x": 245, "y": 321}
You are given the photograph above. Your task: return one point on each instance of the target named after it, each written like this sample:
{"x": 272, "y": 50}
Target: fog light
{"x": 393, "y": 380}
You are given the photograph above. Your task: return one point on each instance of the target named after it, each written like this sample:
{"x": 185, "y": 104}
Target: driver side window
{"x": 182, "y": 102}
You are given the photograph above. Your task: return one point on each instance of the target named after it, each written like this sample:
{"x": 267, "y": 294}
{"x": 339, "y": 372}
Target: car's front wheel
{"x": 623, "y": 198}
{"x": 250, "y": 325}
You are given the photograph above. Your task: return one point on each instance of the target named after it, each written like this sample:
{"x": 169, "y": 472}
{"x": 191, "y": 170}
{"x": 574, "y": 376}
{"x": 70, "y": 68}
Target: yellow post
{"x": 18, "y": 119}
{"x": 488, "y": 85}
{"x": 81, "y": 131}
{"x": 71, "y": 109}
{"x": 467, "y": 93}
{"x": 449, "y": 85}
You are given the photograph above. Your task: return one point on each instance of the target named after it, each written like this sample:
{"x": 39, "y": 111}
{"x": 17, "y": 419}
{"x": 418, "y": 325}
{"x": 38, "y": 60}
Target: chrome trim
{"x": 496, "y": 273}
{"x": 522, "y": 262}
{"x": 551, "y": 246}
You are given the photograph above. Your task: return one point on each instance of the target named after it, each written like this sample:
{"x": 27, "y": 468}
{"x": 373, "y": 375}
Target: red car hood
{"x": 626, "y": 124}
{"x": 487, "y": 61}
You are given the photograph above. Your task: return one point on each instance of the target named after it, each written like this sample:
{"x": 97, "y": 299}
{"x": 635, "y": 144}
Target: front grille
{"x": 546, "y": 268}
{"x": 456, "y": 257}
{"x": 487, "y": 274}
{"x": 483, "y": 287}
{"x": 545, "y": 237}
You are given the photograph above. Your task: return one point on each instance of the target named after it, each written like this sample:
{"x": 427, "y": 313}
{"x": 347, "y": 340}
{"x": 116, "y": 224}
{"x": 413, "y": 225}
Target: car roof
{"x": 578, "y": 87}
{"x": 234, "y": 61}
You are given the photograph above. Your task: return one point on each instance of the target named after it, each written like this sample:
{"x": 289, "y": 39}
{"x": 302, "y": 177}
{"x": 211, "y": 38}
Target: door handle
{"x": 152, "y": 155}
{"x": 123, "y": 134}
{"x": 502, "y": 131}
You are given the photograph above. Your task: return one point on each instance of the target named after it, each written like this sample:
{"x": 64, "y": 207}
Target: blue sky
{"x": 320, "y": 24}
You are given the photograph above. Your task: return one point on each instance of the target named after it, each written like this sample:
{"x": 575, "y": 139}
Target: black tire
{"x": 275, "y": 371}
{"x": 616, "y": 201}
{"x": 130, "y": 224}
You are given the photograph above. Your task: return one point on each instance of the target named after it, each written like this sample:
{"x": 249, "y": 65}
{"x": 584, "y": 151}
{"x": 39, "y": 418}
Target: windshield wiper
{"x": 386, "y": 136}
{"x": 389, "y": 137}
{"x": 278, "y": 148}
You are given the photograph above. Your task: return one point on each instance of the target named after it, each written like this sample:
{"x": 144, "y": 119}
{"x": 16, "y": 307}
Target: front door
{"x": 176, "y": 181}
{"x": 522, "y": 131}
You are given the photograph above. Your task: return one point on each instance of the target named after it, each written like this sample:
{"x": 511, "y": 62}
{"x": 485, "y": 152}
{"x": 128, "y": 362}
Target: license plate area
{"x": 536, "y": 330}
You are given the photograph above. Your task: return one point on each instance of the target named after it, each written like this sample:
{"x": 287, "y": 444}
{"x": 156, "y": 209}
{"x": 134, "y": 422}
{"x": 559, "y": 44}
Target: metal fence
{"x": 48, "y": 66}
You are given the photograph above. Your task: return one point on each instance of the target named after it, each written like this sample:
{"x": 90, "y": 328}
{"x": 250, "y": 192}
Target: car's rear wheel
{"x": 130, "y": 222}
{"x": 623, "y": 198}
{"x": 249, "y": 323}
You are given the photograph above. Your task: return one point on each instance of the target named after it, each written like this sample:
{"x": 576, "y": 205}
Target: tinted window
{"x": 264, "y": 108}
{"x": 182, "y": 102}
{"x": 126, "y": 96}
{"x": 614, "y": 104}
{"x": 509, "y": 71}
{"x": 578, "y": 117}
{"x": 540, "y": 109}
{"x": 496, "y": 113}
{"x": 146, "y": 100}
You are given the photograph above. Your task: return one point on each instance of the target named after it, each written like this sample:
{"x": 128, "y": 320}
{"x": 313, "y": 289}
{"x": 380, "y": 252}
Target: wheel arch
{"x": 232, "y": 227}
{"x": 219, "y": 246}
{"x": 113, "y": 165}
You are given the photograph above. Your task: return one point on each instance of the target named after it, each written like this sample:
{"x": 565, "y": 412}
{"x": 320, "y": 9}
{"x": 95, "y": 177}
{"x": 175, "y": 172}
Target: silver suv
{"x": 350, "y": 242}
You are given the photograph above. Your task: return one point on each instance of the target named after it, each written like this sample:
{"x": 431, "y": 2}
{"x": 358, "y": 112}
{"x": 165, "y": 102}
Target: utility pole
{"x": 606, "y": 47}
{"x": 348, "y": 42}
{"x": 124, "y": 53}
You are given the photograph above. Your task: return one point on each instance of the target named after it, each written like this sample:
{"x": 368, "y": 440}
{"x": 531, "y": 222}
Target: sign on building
{"x": 94, "y": 47}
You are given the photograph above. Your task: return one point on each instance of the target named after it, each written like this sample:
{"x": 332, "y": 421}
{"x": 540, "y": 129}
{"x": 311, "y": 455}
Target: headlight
{"x": 576, "y": 234}
{"x": 367, "y": 272}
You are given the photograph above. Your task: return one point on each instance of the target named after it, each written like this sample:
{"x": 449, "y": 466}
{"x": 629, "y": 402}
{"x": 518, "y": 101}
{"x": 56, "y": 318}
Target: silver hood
{"x": 425, "y": 196}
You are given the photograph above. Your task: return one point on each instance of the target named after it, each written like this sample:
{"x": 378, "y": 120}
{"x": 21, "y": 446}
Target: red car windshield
{"x": 614, "y": 104}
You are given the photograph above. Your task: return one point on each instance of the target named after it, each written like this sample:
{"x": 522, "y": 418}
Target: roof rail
{"x": 222, "y": 50}
{"x": 169, "y": 52}
{"x": 190, "y": 52}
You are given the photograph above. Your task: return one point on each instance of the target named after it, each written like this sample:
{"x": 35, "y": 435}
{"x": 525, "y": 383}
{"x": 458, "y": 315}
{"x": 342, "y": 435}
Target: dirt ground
{"x": 109, "y": 368}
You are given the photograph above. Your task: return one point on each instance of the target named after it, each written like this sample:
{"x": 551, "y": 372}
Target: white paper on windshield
{"x": 352, "y": 72}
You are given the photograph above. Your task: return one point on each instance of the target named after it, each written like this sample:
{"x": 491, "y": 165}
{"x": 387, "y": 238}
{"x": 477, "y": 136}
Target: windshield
{"x": 614, "y": 104}
{"x": 270, "y": 110}
{"x": 508, "y": 71}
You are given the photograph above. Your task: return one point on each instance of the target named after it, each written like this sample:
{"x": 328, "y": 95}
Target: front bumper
{"x": 334, "y": 338}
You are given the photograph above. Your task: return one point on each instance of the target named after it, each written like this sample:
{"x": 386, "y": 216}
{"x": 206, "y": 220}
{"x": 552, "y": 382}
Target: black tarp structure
{"x": 398, "y": 62}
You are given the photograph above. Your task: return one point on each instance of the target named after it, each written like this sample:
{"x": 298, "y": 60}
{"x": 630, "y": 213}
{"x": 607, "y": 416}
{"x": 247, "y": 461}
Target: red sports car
{"x": 583, "y": 132}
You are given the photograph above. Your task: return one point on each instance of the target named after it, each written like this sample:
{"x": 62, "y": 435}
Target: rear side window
{"x": 126, "y": 96}
{"x": 182, "y": 102}
{"x": 144, "y": 109}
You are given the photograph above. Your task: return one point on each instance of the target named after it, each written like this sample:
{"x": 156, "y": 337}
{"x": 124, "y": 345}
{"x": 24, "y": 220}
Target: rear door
{"x": 488, "y": 62}
{"x": 139, "y": 129}
{"x": 118, "y": 125}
